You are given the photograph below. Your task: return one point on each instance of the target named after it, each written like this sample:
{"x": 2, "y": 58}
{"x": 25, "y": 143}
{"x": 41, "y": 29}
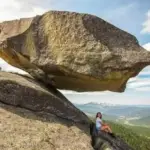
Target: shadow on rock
{"x": 44, "y": 117}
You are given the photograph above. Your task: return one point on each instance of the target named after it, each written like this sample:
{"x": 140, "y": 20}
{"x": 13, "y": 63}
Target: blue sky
{"x": 131, "y": 16}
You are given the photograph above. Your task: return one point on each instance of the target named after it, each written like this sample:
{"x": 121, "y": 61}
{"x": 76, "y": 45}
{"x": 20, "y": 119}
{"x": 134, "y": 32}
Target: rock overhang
{"x": 73, "y": 51}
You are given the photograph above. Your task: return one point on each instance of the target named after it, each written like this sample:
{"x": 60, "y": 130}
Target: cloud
{"x": 142, "y": 81}
{"x": 8, "y": 68}
{"x": 146, "y": 24}
{"x": 84, "y": 93}
{"x": 143, "y": 89}
{"x": 14, "y": 9}
{"x": 132, "y": 80}
{"x": 139, "y": 83}
{"x": 143, "y": 73}
{"x": 147, "y": 46}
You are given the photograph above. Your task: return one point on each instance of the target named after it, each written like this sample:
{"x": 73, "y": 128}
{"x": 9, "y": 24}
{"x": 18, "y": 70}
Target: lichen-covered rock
{"x": 26, "y": 93}
{"x": 73, "y": 51}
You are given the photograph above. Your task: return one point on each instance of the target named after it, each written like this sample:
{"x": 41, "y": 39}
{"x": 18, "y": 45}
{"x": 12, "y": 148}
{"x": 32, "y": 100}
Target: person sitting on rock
{"x": 100, "y": 126}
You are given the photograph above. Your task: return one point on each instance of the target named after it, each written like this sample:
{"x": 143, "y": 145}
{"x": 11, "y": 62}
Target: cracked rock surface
{"x": 25, "y": 92}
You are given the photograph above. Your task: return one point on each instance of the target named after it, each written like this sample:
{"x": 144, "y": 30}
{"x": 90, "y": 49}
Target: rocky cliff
{"x": 73, "y": 51}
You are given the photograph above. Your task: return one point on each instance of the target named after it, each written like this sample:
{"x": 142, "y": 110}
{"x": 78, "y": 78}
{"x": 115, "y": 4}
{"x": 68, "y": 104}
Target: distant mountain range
{"x": 115, "y": 110}
{"x": 124, "y": 114}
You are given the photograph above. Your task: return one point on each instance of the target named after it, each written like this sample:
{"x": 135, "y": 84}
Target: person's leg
{"x": 106, "y": 128}
{"x": 109, "y": 129}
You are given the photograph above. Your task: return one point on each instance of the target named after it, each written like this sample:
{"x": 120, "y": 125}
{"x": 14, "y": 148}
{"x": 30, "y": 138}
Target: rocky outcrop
{"x": 73, "y": 51}
{"x": 106, "y": 141}
{"x": 14, "y": 27}
{"x": 21, "y": 129}
{"x": 40, "y": 118}
{"x": 24, "y": 92}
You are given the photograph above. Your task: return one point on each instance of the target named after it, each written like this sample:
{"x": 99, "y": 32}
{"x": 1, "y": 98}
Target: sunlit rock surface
{"x": 73, "y": 51}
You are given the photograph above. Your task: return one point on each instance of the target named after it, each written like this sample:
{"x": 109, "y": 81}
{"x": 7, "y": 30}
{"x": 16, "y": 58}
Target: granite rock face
{"x": 21, "y": 129}
{"x": 26, "y": 93}
{"x": 73, "y": 51}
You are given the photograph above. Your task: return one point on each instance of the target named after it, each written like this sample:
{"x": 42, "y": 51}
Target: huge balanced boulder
{"x": 73, "y": 51}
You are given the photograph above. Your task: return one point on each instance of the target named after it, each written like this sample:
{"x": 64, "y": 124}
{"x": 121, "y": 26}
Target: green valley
{"x": 136, "y": 137}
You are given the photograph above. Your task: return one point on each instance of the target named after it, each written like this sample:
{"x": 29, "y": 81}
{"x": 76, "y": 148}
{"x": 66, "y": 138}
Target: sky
{"x": 131, "y": 16}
